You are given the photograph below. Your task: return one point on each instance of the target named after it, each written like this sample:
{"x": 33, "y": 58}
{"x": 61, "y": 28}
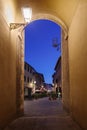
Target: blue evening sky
{"x": 39, "y": 52}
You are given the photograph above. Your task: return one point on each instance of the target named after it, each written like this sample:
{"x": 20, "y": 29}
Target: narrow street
{"x": 43, "y": 114}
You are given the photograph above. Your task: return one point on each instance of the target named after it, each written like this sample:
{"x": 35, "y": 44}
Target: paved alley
{"x": 43, "y": 114}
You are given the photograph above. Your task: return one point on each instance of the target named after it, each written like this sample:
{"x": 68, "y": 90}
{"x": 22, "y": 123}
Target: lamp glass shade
{"x": 27, "y": 13}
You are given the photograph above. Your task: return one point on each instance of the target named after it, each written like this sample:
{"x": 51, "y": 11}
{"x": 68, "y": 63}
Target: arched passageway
{"x": 20, "y": 64}
{"x": 64, "y": 54}
{"x": 73, "y": 14}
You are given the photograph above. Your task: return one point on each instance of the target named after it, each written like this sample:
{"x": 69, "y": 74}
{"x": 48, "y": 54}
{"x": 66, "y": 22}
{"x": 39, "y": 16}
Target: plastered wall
{"x": 78, "y": 65}
{"x": 7, "y": 70}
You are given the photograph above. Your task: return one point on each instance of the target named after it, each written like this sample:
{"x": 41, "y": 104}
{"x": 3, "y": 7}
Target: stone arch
{"x": 65, "y": 55}
{"x": 65, "y": 73}
{"x": 48, "y": 16}
{"x": 53, "y": 18}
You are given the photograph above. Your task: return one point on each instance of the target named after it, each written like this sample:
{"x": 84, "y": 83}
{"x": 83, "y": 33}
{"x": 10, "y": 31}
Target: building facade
{"x": 29, "y": 80}
{"x": 32, "y": 80}
{"x": 57, "y": 77}
{"x": 39, "y": 78}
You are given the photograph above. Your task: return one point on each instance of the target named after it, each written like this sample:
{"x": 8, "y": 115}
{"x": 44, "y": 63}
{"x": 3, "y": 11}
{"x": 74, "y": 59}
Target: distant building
{"x": 32, "y": 80}
{"x": 29, "y": 80}
{"x": 48, "y": 87}
{"x": 57, "y": 77}
{"x": 39, "y": 78}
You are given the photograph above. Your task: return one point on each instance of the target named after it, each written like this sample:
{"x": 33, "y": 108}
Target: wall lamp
{"x": 56, "y": 44}
{"x": 27, "y": 14}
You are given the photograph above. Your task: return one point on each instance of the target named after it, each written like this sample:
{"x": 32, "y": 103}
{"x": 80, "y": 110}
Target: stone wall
{"x": 65, "y": 73}
{"x": 20, "y": 72}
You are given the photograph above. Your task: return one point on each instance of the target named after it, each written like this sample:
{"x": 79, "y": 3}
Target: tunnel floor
{"x": 44, "y": 114}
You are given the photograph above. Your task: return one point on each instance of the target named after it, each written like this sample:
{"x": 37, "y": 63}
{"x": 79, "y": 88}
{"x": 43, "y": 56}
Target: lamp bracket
{"x": 16, "y": 25}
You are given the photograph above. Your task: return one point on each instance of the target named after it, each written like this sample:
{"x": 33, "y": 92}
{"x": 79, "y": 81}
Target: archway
{"x": 65, "y": 64}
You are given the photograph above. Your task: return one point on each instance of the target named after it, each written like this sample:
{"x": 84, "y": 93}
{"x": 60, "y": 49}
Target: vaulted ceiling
{"x": 64, "y": 9}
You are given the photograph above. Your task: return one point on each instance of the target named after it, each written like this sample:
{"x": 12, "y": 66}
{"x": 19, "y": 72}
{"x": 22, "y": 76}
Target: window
{"x": 28, "y": 68}
{"x": 25, "y": 66}
{"x": 25, "y": 78}
{"x": 28, "y": 79}
{"x": 56, "y": 80}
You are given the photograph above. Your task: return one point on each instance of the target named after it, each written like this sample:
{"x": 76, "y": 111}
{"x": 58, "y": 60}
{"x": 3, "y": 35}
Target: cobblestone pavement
{"x": 43, "y": 114}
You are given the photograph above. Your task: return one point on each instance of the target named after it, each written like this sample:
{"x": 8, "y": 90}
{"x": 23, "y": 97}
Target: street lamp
{"x": 27, "y": 14}
{"x": 34, "y": 82}
{"x": 56, "y": 44}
